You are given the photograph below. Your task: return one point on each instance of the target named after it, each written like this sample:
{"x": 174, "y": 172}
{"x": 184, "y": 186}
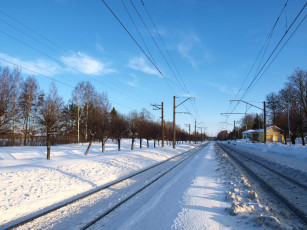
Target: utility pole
{"x": 174, "y": 119}
{"x": 195, "y": 132}
{"x": 162, "y": 124}
{"x": 160, "y": 107}
{"x": 189, "y": 125}
{"x": 290, "y": 142}
{"x": 264, "y": 121}
{"x": 201, "y": 133}
{"x": 78, "y": 120}
{"x": 234, "y": 130}
{"x": 174, "y": 123}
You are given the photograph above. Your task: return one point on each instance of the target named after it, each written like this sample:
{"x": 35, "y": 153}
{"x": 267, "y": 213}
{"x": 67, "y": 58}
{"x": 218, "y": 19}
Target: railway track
{"x": 79, "y": 213}
{"x": 284, "y": 186}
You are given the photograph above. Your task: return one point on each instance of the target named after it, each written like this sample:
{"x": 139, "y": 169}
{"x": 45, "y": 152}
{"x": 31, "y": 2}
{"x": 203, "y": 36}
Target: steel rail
{"x": 138, "y": 191}
{"x": 87, "y": 194}
{"x": 258, "y": 161}
{"x": 299, "y": 213}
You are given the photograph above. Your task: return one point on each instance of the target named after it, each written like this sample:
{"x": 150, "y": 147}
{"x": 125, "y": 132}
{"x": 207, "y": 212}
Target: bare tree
{"x": 141, "y": 124}
{"x": 50, "y": 112}
{"x": 298, "y": 82}
{"x": 98, "y": 119}
{"x": 26, "y": 101}
{"x": 119, "y": 128}
{"x": 82, "y": 95}
{"x": 16, "y": 77}
{"x": 132, "y": 125}
{"x": 6, "y": 95}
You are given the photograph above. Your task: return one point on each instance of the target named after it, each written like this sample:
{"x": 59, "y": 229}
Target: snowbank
{"x": 294, "y": 152}
{"x": 30, "y": 183}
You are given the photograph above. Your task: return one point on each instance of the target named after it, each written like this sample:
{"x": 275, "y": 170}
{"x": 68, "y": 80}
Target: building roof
{"x": 260, "y": 130}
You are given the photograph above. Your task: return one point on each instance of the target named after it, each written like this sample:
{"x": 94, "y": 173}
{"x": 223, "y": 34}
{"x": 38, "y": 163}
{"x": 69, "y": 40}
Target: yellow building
{"x": 273, "y": 134}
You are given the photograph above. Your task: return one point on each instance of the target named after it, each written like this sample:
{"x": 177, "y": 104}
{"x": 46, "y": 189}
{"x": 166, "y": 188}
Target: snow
{"x": 188, "y": 198}
{"x": 294, "y": 156}
{"x": 30, "y": 183}
{"x": 204, "y": 193}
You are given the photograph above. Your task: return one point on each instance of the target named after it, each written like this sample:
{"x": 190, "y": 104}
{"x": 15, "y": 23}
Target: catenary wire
{"x": 55, "y": 59}
{"x": 50, "y": 78}
{"x": 264, "y": 47}
{"x": 156, "y": 44}
{"x": 256, "y": 76}
{"x": 164, "y": 77}
{"x": 166, "y": 50}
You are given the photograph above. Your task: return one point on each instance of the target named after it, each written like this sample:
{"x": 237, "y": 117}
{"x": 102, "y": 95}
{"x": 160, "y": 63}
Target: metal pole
{"x": 190, "y": 133}
{"x": 289, "y": 126}
{"x": 264, "y": 122}
{"x": 162, "y": 126}
{"x": 234, "y": 130}
{"x": 174, "y": 124}
{"x": 195, "y": 131}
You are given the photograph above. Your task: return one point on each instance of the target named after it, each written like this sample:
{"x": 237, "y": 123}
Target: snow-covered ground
{"x": 194, "y": 198}
{"x": 294, "y": 156}
{"x": 29, "y": 182}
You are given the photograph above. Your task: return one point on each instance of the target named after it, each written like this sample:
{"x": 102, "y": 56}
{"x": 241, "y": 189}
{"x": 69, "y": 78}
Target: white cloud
{"x": 39, "y": 66}
{"x": 224, "y": 88}
{"x": 191, "y": 48}
{"x": 139, "y": 63}
{"x": 76, "y": 63}
{"x": 85, "y": 64}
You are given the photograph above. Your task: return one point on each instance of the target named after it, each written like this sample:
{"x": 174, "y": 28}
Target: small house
{"x": 273, "y": 134}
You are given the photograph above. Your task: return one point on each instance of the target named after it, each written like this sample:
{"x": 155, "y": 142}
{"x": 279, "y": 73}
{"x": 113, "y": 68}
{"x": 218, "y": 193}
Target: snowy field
{"x": 29, "y": 182}
{"x": 203, "y": 194}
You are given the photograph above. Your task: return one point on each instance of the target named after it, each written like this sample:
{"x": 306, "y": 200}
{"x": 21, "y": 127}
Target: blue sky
{"x": 212, "y": 43}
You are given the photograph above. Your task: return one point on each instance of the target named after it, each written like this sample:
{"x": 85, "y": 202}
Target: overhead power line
{"x": 139, "y": 46}
{"x": 263, "y": 48}
{"x": 50, "y": 78}
{"x": 169, "y": 55}
{"x": 279, "y": 52}
{"x": 116, "y": 84}
{"x": 138, "y": 32}
{"x": 156, "y": 44}
{"x": 256, "y": 76}
{"x": 261, "y": 71}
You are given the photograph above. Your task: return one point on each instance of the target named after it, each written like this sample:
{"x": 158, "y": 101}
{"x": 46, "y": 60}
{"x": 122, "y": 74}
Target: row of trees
{"x": 287, "y": 109}
{"x": 27, "y": 113}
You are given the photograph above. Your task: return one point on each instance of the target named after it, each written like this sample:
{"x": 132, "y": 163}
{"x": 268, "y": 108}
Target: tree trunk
{"x": 154, "y": 143}
{"x": 103, "y": 145}
{"x": 293, "y": 139}
{"x": 48, "y": 145}
{"x": 303, "y": 139}
{"x": 132, "y": 143}
{"x": 302, "y": 136}
{"x": 90, "y": 144}
{"x": 25, "y": 133}
{"x": 118, "y": 142}
{"x": 147, "y": 143}
{"x": 140, "y": 142}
